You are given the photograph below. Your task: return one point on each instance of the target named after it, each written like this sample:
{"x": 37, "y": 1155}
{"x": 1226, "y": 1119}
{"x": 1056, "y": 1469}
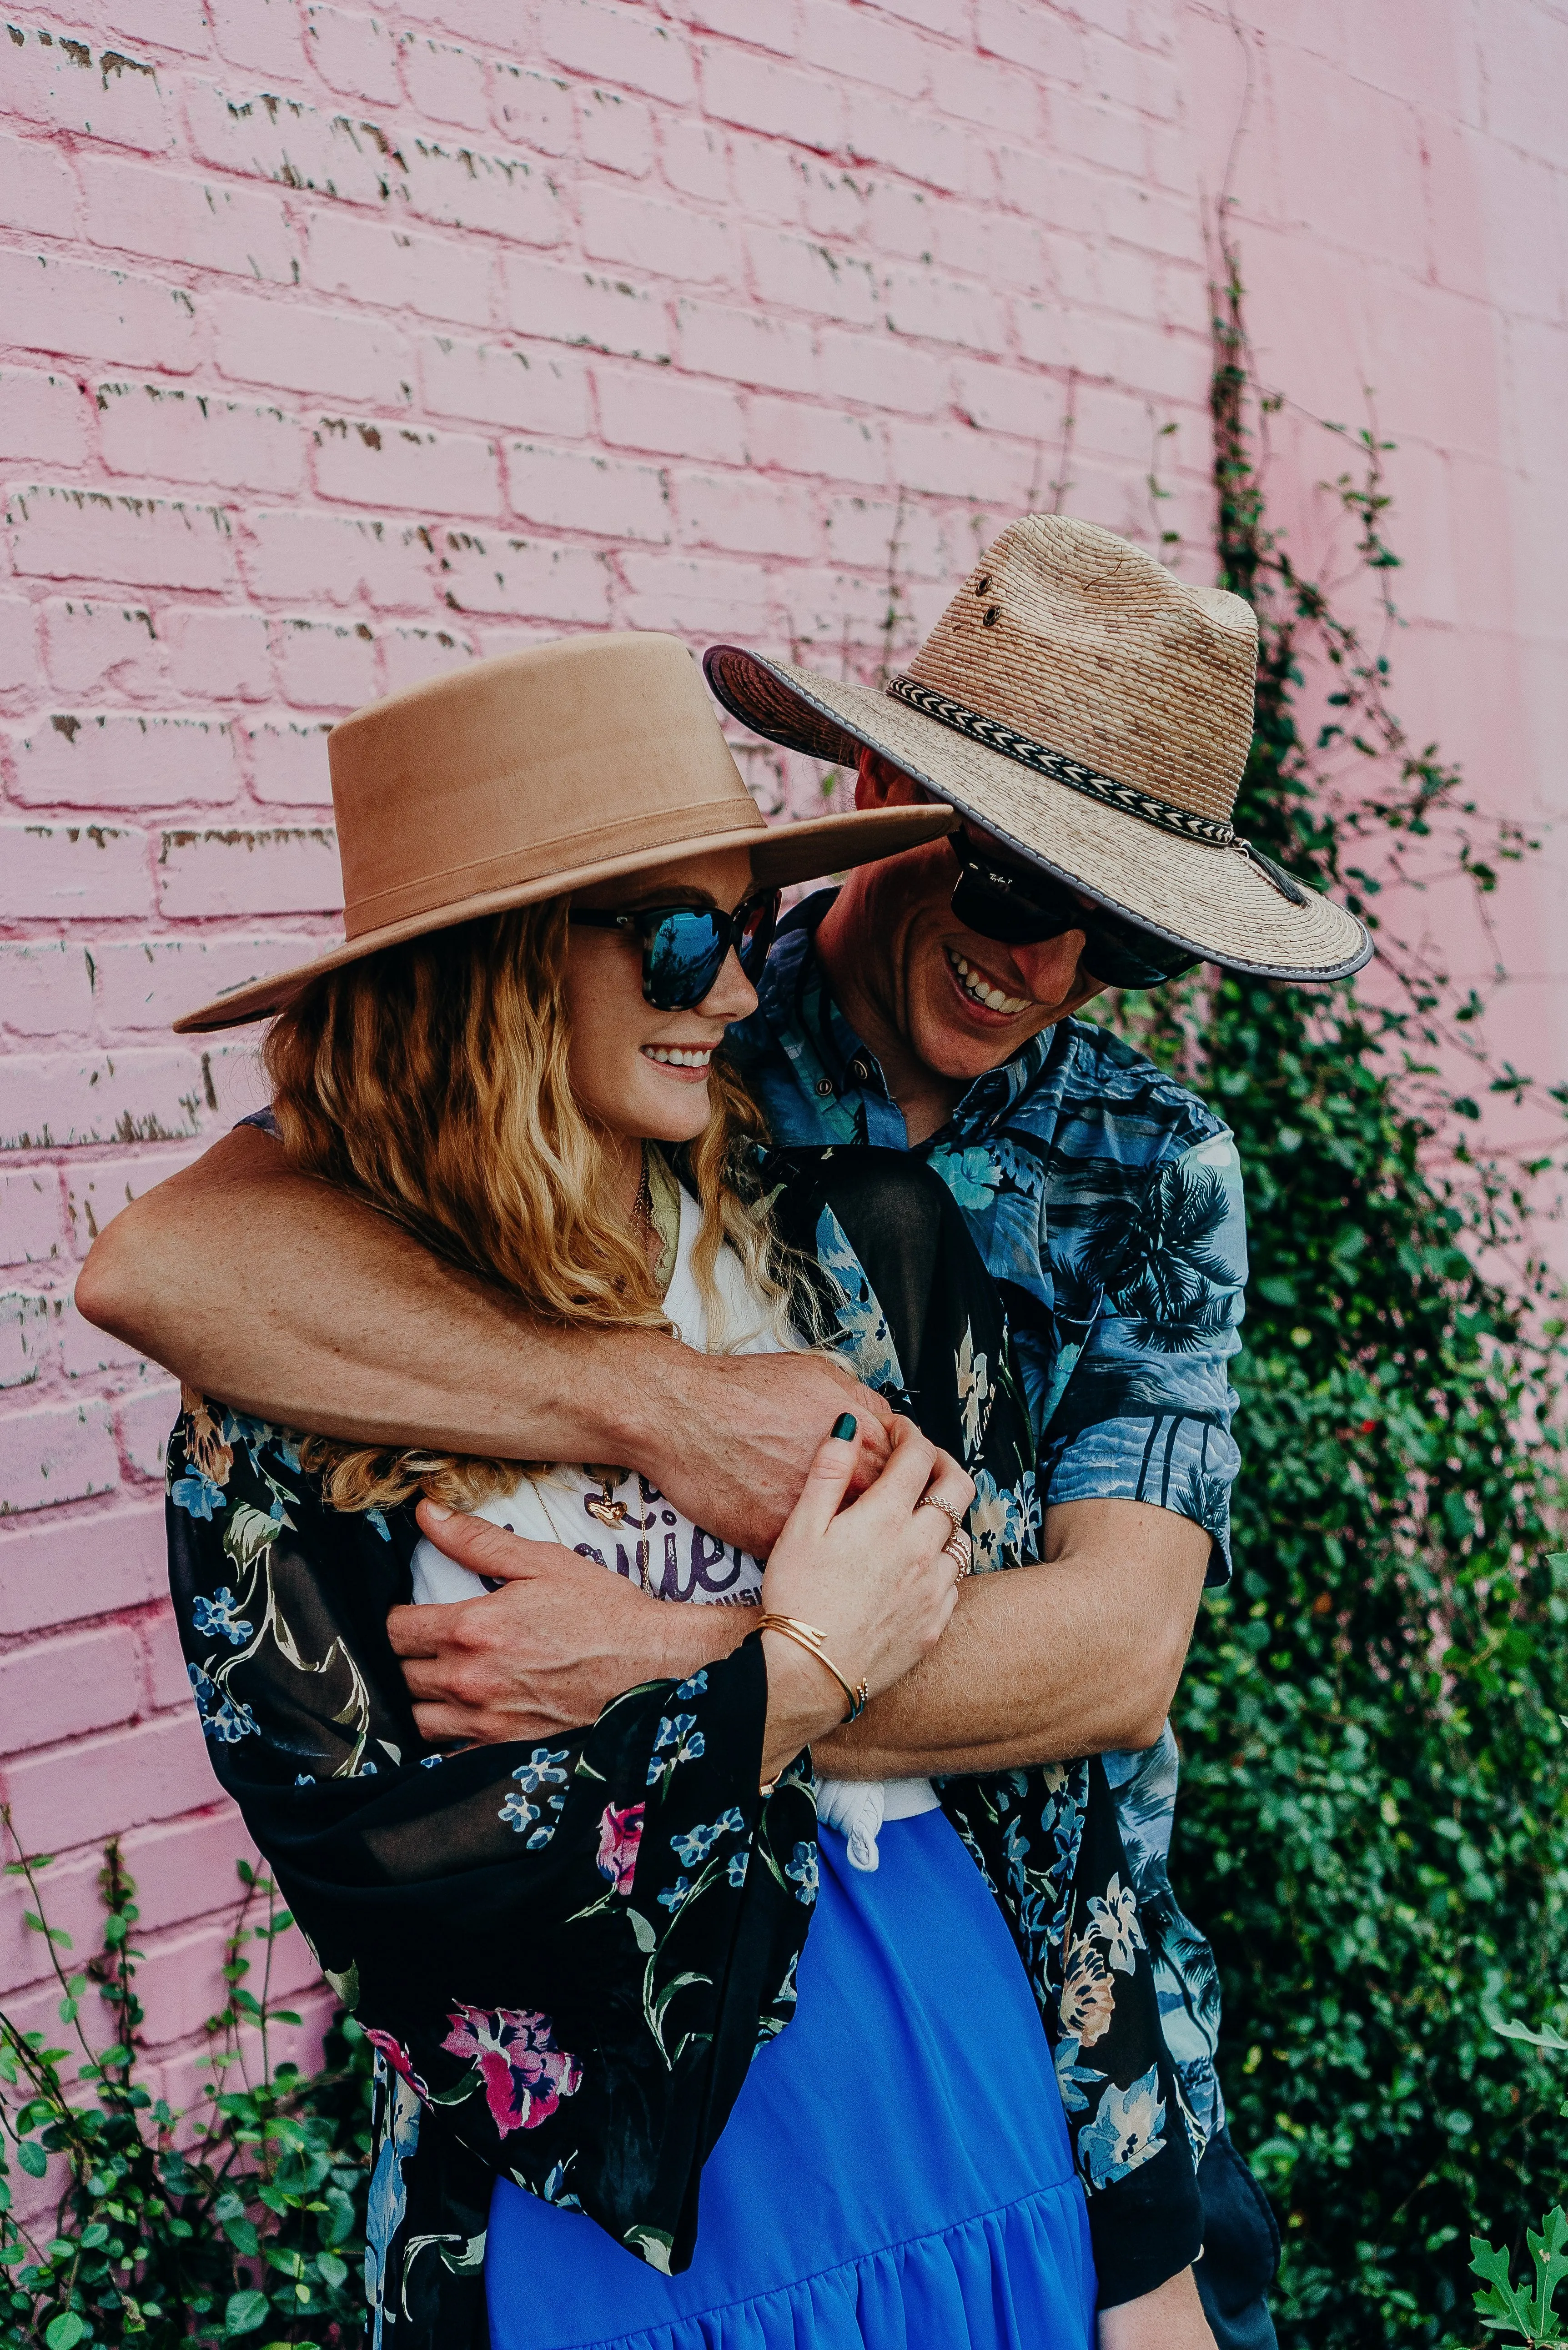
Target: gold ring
{"x": 961, "y": 1550}
{"x": 929, "y": 1502}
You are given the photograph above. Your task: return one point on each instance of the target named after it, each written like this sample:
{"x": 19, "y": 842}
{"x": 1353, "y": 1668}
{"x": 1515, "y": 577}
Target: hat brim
{"x": 1214, "y": 901}
{"x": 781, "y": 854}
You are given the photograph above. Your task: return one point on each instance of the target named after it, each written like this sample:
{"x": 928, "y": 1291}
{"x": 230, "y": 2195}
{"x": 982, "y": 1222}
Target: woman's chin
{"x": 672, "y": 1106}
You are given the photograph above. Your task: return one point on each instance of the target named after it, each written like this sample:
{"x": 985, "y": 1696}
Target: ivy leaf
{"x": 243, "y": 2313}
{"x": 63, "y": 2333}
{"x": 33, "y": 2159}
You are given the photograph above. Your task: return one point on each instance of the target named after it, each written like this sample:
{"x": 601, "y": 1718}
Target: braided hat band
{"x": 997, "y": 735}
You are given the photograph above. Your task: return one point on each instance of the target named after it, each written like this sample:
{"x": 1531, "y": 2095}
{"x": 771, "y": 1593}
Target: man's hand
{"x": 546, "y": 1652}
{"x": 1169, "y": 2318}
{"x": 743, "y": 1432}
{"x": 351, "y": 1328}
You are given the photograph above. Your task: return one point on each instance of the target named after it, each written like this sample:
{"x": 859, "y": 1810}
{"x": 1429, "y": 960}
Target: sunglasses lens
{"x": 997, "y": 911}
{"x": 1125, "y": 957}
{"x": 683, "y": 955}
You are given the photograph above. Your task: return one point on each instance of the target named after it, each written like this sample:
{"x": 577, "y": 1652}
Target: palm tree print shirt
{"x": 1107, "y": 1202}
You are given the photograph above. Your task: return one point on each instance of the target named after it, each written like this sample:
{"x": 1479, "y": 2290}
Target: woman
{"x": 557, "y": 896}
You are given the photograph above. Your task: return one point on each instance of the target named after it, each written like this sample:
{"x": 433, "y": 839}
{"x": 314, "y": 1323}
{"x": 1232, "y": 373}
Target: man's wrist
{"x": 645, "y": 1387}
{"x": 689, "y": 1637}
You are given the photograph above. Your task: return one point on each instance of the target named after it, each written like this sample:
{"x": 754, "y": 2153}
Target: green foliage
{"x": 1376, "y": 1774}
{"x": 243, "y": 2221}
{"x": 1521, "y": 2315}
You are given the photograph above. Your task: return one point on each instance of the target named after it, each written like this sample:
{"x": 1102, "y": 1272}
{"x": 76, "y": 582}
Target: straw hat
{"x": 535, "y": 773}
{"x": 1093, "y": 711}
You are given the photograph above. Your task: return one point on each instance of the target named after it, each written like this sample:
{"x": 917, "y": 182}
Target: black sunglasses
{"x": 684, "y": 947}
{"x": 996, "y": 903}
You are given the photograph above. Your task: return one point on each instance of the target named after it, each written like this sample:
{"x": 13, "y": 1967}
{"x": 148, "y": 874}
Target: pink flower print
{"x": 398, "y": 2057}
{"x": 526, "y": 2075}
{"x": 621, "y": 1834}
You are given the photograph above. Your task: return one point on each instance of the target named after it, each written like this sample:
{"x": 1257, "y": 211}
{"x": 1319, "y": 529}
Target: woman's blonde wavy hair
{"x": 433, "y": 1081}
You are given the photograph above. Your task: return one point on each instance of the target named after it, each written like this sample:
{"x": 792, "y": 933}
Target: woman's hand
{"x": 874, "y": 1579}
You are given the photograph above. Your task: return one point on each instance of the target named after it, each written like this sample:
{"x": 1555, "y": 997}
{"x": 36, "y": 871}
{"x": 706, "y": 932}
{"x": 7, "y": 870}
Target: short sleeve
{"x": 1147, "y": 1413}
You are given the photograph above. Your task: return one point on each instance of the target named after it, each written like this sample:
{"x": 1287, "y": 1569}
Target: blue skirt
{"x": 895, "y": 2175}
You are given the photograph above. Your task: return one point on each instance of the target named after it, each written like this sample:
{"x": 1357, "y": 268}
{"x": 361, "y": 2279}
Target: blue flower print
{"x": 374, "y": 1518}
{"x": 429, "y": 1761}
{"x": 554, "y": 2190}
{"x": 1073, "y": 2078}
{"x": 398, "y": 2137}
{"x": 674, "y": 1895}
{"x": 682, "y": 1734}
{"x": 1127, "y": 2132}
{"x": 196, "y": 1494}
{"x": 801, "y": 1870}
{"x": 542, "y": 1768}
{"x": 223, "y": 1718}
{"x": 695, "y": 1686}
{"x": 739, "y": 1864}
{"x": 864, "y": 1335}
{"x": 698, "y": 1843}
{"x": 972, "y": 1175}
{"x": 305, "y": 1779}
{"x": 995, "y": 1522}
{"x": 214, "y": 1618}
{"x": 518, "y": 1813}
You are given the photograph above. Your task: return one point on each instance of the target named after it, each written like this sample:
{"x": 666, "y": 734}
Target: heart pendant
{"x": 608, "y": 1513}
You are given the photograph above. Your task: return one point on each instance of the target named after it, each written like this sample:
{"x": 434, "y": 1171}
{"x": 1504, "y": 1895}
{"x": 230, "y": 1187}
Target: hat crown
{"x": 531, "y": 764}
{"x": 1084, "y": 643}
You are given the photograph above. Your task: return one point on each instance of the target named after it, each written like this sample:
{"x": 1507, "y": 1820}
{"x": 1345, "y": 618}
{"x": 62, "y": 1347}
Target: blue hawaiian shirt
{"x": 1107, "y": 1201}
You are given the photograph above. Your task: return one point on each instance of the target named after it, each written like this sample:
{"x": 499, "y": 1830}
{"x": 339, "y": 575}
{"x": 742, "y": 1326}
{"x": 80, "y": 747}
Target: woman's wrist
{"x": 804, "y": 1702}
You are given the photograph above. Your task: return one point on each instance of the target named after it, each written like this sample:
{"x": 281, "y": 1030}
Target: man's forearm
{"x": 292, "y": 1300}
{"x": 301, "y": 1345}
{"x": 1081, "y": 1656}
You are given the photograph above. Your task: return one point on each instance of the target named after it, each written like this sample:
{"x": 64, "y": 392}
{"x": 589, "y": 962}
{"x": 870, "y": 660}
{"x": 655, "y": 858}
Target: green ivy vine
{"x": 1374, "y": 1825}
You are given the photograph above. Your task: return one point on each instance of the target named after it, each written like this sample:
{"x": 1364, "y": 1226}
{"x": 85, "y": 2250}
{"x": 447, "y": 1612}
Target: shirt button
{"x": 859, "y": 1071}
{"x": 825, "y": 1085}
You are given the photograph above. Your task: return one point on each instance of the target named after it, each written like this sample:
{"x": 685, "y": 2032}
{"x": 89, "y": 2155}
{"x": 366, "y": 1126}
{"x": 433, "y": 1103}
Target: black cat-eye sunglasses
{"x": 684, "y": 947}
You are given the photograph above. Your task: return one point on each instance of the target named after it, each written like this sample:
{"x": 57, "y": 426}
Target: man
{"x": 1088, "y": 715}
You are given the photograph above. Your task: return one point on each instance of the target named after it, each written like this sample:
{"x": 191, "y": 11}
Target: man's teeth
{"x": 681, "y": 1057}
{"x": 977, "y": 986}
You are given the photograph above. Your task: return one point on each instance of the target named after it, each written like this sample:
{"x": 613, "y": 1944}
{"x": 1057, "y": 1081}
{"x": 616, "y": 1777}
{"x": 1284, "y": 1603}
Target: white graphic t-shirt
{"x": 654, "y": 1545}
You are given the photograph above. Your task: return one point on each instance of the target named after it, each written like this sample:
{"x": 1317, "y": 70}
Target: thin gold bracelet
{"x": 807, "y": 1637}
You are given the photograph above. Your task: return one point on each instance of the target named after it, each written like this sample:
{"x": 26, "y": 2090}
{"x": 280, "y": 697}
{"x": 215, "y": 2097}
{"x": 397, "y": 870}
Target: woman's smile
{"x": 688, "y": 1064}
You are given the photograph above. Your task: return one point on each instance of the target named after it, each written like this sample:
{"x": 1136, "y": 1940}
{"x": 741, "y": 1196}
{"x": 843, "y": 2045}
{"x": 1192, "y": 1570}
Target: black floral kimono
{"x": 567, "y": 1955}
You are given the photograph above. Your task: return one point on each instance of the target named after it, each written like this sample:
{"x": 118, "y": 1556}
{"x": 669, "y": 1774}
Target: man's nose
{"x": 1051, "y": 968}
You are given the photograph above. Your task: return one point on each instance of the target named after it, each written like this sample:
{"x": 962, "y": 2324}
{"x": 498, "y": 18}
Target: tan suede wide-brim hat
{"x": 1095, "y": 713}
{"x": 537, "y": 774}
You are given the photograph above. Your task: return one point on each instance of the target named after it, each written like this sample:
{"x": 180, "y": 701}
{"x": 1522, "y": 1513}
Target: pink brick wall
{"x": 336, "y": 347}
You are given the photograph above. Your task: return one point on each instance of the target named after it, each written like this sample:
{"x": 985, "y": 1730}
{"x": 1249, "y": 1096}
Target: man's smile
{"x": 980, "y": 990}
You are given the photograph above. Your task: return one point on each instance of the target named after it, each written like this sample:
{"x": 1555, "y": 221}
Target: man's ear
{"x": 879, "y": 784}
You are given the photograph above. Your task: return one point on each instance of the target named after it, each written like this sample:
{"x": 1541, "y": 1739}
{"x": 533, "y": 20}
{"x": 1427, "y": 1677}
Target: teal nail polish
{"x": 843, "y": 1426}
